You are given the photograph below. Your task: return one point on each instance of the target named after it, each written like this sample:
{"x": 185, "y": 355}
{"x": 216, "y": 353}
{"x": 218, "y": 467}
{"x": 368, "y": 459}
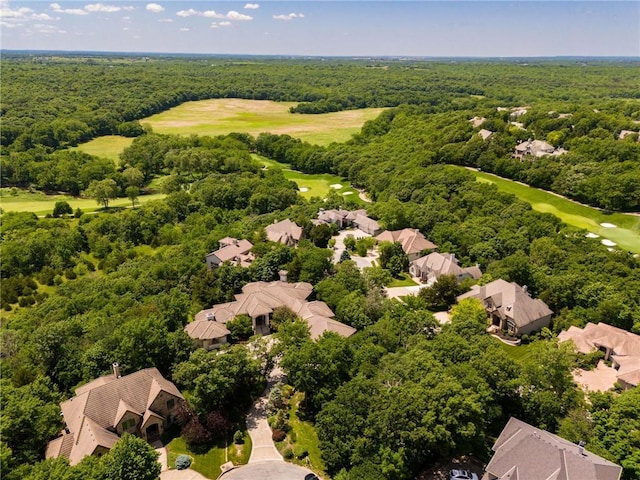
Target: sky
{"x": 444, "y": 28}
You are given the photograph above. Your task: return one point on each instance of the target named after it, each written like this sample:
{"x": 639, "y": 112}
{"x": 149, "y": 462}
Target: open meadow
{"x": 226, "y": 115}
{"x": 621, "y": 228}
{"x": 109, "y": 146}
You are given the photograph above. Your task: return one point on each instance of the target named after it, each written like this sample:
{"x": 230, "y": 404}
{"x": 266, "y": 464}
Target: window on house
{"x": 127, "y": 424}
{"x": 170, "y": 403}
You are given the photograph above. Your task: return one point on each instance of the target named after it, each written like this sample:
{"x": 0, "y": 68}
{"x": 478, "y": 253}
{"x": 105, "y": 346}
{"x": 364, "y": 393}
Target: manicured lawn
{"x": 626, "y": 232}
{"x": 208, "y": 464}
{"x": 404, "y": 281}
{"x": 519, "y": 353}
{"x": 41, "y": 204}
{"x": 316, "y": 185}
{"x": 226, "y": 115}
{"x": 109, "y": 146}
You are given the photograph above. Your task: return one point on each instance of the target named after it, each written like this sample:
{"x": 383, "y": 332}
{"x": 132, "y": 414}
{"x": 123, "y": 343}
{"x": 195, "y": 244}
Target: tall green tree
{"x": 102, "y": 191}
{"x": 131, "y": 458}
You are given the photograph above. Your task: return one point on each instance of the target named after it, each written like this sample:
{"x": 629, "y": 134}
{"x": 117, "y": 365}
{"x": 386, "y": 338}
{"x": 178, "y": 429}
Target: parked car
{"x": 310, "y": 476}
{"x": 462, "y": 475}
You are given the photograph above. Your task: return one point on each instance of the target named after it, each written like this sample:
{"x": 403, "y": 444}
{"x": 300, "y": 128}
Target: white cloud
{"x": 224, "y": 24}
{"x": 188, "y": 13}
{"x": 233, "y": 15}
{"x": 42, "y": 17}
{"x": 154, "y": 7}
{"x": 212, "y": 14}
{"x": 102, "y": 8}
{"x": 8, "y": 12}
{"x": 252, "y": 6}
{"x": 166, "y": 20}
{"x": 128, "y": 8}
{"x": 289, "y": 16}
{"x": 184, "y": 29}
{"x": 10, "y": 25}
{"x": 69, "y": 11}
{"x": 44, "y": 28}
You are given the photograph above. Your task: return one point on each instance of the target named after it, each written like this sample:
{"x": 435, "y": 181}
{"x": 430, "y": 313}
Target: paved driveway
{"x": 263, "y": 448}
{"x": 396, "y": 292}
{"x": 266, "y": 471}
{"x": 339, "y": 247}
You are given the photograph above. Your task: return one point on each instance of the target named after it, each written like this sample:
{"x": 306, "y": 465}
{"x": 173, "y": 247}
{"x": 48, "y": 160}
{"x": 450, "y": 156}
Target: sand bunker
{"x": 304, "y": 189}
{"x": 591, "y": 235}
{"x": 336, "y": 186}
{"x": 347, "y": 193}
{"x": 607, "y": 225}
{"x": 608, "y": 243}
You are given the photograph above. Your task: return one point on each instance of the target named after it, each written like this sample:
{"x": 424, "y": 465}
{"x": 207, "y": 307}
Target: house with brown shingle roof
{"x": 477, "y": 121}
{"x": 510, "y": 307}
{"x": 413, "y": 242}
{"x": 619, "y": 346}
{"x": 523, "y": 452}
{"x": 536, "y": 149}
{"x": 431, "y": 267}
{"x": 208, "y": 333}
{"x": 485, "y": 134}
{"x": 140, "y": 403}
{"x": 337, "y": 217}
{"x": 286, "y": 232}
{"x": 258, "y": 300}
{"x": 231, "y": 250}
{"x": 360, "y": 219}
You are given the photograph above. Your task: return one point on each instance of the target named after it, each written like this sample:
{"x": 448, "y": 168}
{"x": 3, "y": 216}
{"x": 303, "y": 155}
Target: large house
{"x": 536, "y": 149}
{"x": 345, "y": 218}
{"x": 258, "y": 300}
{"x": 140, "y": 403}
{"x": 431, "y": 267}
{"x": 231, "y": 250}
{"x": 207, "y": 334}
{"x": 523, "y": 452}
{"x": 619, "y": 346}
{"x": 510, "y": 307}
{"x": 413, "y": 242}
{"x": 285, "y": 232}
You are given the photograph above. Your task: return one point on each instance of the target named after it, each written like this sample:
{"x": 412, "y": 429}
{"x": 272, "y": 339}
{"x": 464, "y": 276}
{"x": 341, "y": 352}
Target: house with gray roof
{"x": 207, "y": 333}
{"x": 536, "y": 149}
{"x": 360, "y": 219}
{"x": 510, "y": 307}
{"x": 431, "y": 267}
{"x": 524, "y": 452}
{"x": 485, "y": 134}
{"x": 285, "y": 232}
{"x": 141, "y": 403}
{"x": 258, "y": 300}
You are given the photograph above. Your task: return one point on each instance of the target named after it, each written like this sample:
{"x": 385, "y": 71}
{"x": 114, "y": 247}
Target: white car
{"x": 462, "y": 475}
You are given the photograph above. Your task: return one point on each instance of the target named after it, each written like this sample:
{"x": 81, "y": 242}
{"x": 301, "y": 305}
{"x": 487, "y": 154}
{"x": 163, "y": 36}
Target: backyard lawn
{"x": 405, "y": 280}
{"x": 621, "y": 228}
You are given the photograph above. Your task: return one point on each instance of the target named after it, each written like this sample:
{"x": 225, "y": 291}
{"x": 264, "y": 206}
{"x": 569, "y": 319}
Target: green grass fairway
{"x": 316, "y": 185}
{"x": 41, "y": 204}
{"x": 626, "y": 233}
{"x": 226, "y": 115}
{"x": 109, "y": 146}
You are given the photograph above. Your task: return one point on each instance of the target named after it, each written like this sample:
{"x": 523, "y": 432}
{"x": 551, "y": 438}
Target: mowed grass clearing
{"x": 109, "y": 146}
{"x": 227, "y": 115}
{"x": 41, "y": 204}
{"x": 626, "y": 233}
{"x": 313, "y": 185}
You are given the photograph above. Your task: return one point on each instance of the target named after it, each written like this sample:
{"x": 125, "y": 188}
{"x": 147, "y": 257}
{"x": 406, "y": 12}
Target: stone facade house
{"x": 140, "y": 403}
{"x": 523, "y": 452}
{"x": 510, "y": 307}
{"x": 207, "y": 333}
{"x": 413, "y": 242}
{"x": 430, "y": 267}
{"x": 231, "y": 250}
{"x": 258, "y": 300}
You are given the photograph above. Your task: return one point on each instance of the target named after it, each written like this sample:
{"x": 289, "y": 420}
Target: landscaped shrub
{"x": 287, "y": 391}
{"x": 293, "y": 436}
{"x": 280, "y": 421}
{"x": 238, "y": 437}
{"x": 70, "y": 274}
{"x": 300, "y": 452}
{"x": 194, "y": 433}
{"x": 218, "y": 424}
{"x": 182, "y": 462}
{"x": 288, "y": 453}
{"x": 278, "y": 435}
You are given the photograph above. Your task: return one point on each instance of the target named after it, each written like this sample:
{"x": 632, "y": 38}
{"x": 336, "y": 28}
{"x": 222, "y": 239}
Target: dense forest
{"x": 82, "y": 291}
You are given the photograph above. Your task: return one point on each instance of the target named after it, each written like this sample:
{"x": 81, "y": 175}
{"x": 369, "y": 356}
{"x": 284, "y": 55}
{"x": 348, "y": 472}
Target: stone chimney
{"x": 116, "y": 370}
{"x": 283, "y": 275}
